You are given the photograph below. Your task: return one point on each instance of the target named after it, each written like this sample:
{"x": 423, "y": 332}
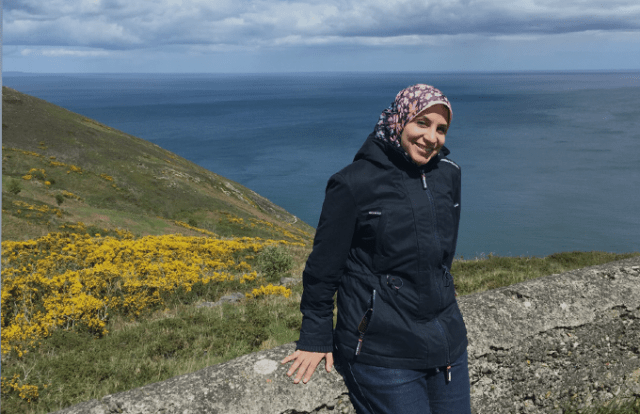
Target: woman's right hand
{"x": 306, "y": 362}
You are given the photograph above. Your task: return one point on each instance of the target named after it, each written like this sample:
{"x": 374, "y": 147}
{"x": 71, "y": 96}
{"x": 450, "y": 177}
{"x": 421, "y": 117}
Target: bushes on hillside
{"x": 274, "y": 262}
{"x": 14, "y": 187}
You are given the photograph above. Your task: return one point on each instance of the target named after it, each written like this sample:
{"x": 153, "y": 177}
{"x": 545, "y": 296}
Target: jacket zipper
{"x": 446, "y": 341}
{"x": 425, "y": 187}
{"x": 366, "y": 319}
{"x": 433, "y": 211}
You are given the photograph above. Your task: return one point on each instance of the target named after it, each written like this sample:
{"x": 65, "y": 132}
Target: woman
{"x": 385, "y": 241}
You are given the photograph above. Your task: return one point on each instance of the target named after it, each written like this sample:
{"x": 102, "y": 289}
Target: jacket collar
{"x": 388, "y": 155}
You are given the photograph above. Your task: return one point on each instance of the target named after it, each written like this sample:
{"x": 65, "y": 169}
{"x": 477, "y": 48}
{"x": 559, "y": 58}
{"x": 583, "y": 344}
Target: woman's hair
{"x": 409, "y": 102}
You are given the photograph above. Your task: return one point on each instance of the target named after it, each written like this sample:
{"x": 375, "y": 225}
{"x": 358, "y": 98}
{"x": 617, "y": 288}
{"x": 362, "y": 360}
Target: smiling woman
{"x": 385, "y": 242}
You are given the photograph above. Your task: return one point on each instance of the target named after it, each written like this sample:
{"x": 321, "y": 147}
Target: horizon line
{"x": 328, "y": 72}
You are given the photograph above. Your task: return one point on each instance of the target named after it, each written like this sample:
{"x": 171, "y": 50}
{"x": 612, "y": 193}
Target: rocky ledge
{"x": 535, "y": 347}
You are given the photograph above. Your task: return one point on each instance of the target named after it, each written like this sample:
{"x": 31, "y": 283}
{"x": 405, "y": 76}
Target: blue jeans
{"x": 378, "y": 390}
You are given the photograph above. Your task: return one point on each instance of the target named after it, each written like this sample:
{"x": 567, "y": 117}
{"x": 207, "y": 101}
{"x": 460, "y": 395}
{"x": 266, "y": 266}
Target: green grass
{"x": 180, "y": 340}
{"x": 472, "y": 276}
{"x": 184, "y": 338}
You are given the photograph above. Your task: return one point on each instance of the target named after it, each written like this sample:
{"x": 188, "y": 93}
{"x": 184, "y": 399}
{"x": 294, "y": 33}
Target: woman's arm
{"x": 321, "y": 278}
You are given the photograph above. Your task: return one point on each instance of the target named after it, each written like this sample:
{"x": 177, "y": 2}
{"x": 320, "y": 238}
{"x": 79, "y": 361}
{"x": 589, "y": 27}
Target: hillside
{"x": 106, "y": 234}
{"x": 60, "y": 168}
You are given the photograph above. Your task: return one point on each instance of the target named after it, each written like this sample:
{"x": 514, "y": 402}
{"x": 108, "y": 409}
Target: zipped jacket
{"x": 385, "y": 241}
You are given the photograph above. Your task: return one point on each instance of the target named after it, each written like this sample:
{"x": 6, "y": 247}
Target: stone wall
{"x": 535, "y": 347}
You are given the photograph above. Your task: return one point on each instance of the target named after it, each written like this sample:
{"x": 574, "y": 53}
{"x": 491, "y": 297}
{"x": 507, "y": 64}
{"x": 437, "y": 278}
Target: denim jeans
{"x": 378, "y": 390}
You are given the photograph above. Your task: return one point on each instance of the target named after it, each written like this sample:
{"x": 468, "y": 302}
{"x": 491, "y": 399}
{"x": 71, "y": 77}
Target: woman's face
{"x": 423, "y": 137}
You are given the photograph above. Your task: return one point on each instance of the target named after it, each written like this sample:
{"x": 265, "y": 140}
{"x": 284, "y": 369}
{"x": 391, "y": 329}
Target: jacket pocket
{"x": 370, "y": 227}
{"x": 391, "y": 330}
{"x": 449, "y": 290}
{"x": 366, "y": 321}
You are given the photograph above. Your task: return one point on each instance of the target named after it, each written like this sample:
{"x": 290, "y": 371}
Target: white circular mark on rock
{"x": 265, "y": 366}
{"x": 527, "y": 304}
{"x": 563, "y": 306}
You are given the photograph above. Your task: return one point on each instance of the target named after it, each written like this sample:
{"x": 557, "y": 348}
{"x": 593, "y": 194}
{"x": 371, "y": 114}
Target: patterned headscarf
{"x": 408, "y": 103}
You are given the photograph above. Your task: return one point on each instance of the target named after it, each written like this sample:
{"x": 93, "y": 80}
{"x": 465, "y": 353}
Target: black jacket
{"x": 391, "y": 227}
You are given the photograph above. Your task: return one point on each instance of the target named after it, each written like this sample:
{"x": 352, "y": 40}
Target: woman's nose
{"x": 430, "y": 136}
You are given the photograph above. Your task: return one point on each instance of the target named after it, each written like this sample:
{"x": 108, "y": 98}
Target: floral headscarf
{"x": 408, "y": 103}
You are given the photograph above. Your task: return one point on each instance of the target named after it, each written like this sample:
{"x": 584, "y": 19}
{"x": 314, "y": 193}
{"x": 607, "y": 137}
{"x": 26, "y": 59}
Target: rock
{"x": 231, "y": 298}
{"x": 288, "y": 281}
{"x": 534, "y": 347}
{"x": 579, "y": 328}
{"x": 254, "y": 383}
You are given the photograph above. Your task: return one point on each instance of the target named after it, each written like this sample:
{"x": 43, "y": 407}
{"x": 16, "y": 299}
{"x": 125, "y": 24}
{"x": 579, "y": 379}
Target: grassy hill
{"x": 69, "y": 169}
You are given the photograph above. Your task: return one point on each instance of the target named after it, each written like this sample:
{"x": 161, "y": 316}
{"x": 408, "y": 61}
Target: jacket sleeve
{"x": 325, "y": 265}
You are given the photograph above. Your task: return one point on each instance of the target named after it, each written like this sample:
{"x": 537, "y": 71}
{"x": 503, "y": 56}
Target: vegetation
{"x": 97, "y": 175}
{"x": 107, "y": 289}
{"x": 274, "y": 262}
{"x": 499, "y": 271}
{"x": 14, "y": 187}
{"x": 149, "y": 326}
{"x": 103, "y": 231}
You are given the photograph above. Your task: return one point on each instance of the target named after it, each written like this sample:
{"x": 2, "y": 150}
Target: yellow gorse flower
{"x": 269, "y": 227}
{"x": 188, "y": 226}
{"x": 269, "y": 290}
{"x": 42, "y": 208}
{"x": 69, "y": 194}
{"x": 25, "y": 391}
{"x": 31, "y": 153}
{"x": 34, "y": 170}
{"x": 75, "y": 281}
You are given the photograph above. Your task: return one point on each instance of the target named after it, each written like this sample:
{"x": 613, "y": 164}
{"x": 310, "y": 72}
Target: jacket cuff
{"x": 314, "y": 348}
{"x": 316, "y": 332}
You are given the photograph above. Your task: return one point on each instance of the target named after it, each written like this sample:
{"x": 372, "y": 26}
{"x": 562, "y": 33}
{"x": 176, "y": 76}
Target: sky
{"x": 213, "y": 36}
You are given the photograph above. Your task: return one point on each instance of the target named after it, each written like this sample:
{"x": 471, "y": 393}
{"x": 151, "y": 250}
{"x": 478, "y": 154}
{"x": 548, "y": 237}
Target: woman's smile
{"x": 425, "y": 148}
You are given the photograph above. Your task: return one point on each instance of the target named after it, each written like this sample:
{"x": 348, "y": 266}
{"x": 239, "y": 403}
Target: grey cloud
{"x": 120, "y": 24}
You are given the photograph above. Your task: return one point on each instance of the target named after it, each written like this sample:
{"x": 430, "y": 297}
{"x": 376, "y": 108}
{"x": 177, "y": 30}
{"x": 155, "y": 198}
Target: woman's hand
{"x": 306, "y": 362}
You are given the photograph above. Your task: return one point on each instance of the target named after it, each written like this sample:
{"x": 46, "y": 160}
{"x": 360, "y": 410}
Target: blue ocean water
{"x": 549, "y": 160}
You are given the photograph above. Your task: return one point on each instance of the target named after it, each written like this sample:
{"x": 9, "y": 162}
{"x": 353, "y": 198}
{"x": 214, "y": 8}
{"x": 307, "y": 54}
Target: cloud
{"x": 61, "y": 52}
{"x": 243, "y": 24}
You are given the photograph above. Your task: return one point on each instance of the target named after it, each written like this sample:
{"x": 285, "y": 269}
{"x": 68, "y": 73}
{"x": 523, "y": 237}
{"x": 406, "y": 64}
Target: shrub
{"x": 59, "y": 198}
{"x": 38, "y": 174}
{"x": 274, "y": 261}
{"x": 14, "y": 187}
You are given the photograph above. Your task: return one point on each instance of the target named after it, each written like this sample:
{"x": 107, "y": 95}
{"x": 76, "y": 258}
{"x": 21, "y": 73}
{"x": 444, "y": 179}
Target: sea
{"x": 550, "y": 160}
